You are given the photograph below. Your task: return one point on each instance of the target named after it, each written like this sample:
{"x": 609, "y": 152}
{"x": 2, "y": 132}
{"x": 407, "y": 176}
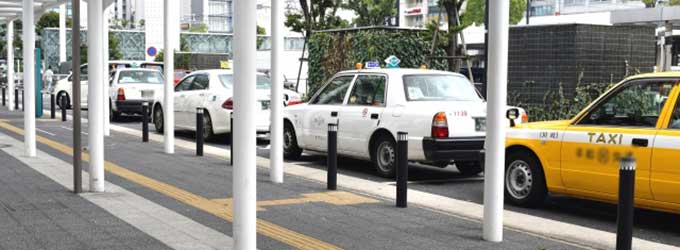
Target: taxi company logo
{"x": 392, "y": 62}
{"x": 364, "y": 113}
{"x": 608, "y": 139}
{"x": 318, "y": 121}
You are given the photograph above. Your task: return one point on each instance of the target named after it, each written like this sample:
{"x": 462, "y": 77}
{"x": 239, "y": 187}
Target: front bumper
{"x": 456, "y": 148}
{"x": 131, "y": 106}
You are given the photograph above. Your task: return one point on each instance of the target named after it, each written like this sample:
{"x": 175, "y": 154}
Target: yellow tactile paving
{"x": 339, "y": 198}
{"x": 271, "y": 230}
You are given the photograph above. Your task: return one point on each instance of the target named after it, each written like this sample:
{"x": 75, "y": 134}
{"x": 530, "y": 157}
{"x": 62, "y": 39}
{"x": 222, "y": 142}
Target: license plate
{"x": 265, "y": 105}
{"x": 147, "y": 93}
{"x": 480, "y": 124}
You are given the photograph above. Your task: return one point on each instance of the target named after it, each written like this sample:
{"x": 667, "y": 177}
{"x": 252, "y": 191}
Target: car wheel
{"x": 207, "y": 127}
{"x": 291, "y": 150}
{"x": 59, "y": 98}
{"x": 384, "y": 156}
{"x": 158, "y": 119}
{"x": 524, "y": 180}
{"x": 469, "y": 167}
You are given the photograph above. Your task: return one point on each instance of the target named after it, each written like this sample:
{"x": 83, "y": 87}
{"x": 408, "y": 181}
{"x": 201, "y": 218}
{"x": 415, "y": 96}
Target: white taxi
{"x": 444, "y": 115}
{"x": 131, "y": 87}
{"x": 213, "y": 91}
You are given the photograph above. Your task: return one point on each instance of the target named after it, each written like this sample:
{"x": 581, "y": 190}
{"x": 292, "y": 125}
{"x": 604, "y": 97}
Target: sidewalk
{"x": 298, "y": 214}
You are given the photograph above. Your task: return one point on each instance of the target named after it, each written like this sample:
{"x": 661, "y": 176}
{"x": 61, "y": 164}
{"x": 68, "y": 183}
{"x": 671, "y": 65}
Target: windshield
{"x": 263, "y": 82}
{"x": 439, "y": 88}
{"x": 152, "y": 77}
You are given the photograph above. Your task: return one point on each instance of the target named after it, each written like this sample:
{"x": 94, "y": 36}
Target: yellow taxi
{"x": 580, "y": 157}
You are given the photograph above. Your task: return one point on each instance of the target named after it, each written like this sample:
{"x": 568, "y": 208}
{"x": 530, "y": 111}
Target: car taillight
{"x": 121, "y": 95}
{"x": 525, "y": 117}
{"x": 294, "y": 102}
{"x": 228, "y": 104}
{"x": 440, "y": 127}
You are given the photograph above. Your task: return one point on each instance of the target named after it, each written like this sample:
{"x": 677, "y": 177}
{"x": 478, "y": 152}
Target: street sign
{"x": 152, "y": 51}
{"x": 392, "y": 62}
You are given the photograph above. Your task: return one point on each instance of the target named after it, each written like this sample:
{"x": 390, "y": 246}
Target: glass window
{"x": 263, "y": 82}
{"x": 200, "y": 82}
{"x": 675, "y": 117}
{"x": 638, "y": 105}
{"x": 334, "y": 92}
{"x": 368, "y": 90}
{"x": 185, "y": 85}
{"x": 439, "y": 88}
{"x": 128, "y": 77}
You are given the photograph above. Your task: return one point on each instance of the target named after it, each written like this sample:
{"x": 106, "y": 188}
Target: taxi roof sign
{"x": 372, "y": 65}
{"x": 392, "y": 62}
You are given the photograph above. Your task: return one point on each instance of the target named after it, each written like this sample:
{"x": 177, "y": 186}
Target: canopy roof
{"x": 11, "y": 9}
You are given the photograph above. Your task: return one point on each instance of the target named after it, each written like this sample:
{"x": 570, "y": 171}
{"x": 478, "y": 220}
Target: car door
{"x": 323, "y": 109}
{"x": 623, "y": 122}
{"x": 196, "y": 97}
{"x": 83, "y": 86}
{"x": 180, "y": 100}
{"x": 360, "y": 116}
{"x": 665, "y": 177}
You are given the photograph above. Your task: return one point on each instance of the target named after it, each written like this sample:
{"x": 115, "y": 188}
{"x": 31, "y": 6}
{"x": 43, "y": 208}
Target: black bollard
{"x": 22, "y": 100}
{"x": 332, "y": 159}
{"x": 63, "y": 108}
{"x": 626, "y": 207}
{"x": 231, "y": 139}
{"x": 402, "y": 168}
{"x": 16, "y": 99}
{"x": 52, "y": 108}
{"x": 4, "y": 103}
{"x": 199, "y": 131}
{"x": 145, "y": 121}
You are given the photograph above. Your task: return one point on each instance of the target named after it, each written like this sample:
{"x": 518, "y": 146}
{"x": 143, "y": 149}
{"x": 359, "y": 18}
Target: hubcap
{"x": 385, "y": 156}
{"x": 287, "y": 139}
{"x": 158, "y": 118}
{"x": 519, "y": 179}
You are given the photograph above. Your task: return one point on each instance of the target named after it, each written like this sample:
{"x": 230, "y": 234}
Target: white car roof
{"x": 136, "y": 69}
{"x": 400, "y": 71}
{"x": 218, "y": 71}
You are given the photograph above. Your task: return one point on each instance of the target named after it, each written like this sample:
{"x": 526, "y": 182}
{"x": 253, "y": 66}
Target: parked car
{"x": 580, "y": 157}
{"x": 131, "y": 87}
{"x": 179, "y": 74}
{"x": 442, "y": 112}
{"x": 213, "y": 90}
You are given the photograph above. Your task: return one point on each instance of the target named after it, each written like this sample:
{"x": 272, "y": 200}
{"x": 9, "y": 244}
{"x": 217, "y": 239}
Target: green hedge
{"x": 334, "y": 51}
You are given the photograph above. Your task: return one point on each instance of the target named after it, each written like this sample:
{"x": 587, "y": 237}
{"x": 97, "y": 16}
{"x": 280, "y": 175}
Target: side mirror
{"x": 512, "y": 114}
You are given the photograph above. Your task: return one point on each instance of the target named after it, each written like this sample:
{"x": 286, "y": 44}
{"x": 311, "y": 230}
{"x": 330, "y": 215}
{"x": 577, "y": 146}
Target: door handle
{"x": 639, "y": 142}
{"x": 334, "y": 113}
{"x": 374, "y": 116}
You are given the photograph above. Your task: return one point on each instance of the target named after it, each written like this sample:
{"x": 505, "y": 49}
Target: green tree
{"x": 372, "y": 12}
{"x": 319, "y": 15}
{"x": 260, "y": 31}
{"x": 114, "y": 50}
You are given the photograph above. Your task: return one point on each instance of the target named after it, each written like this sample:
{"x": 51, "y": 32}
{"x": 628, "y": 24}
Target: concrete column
{"x": 171, "y": 13}
{"x": 62, "y": 33}
{"x": 244, "y": 183}
{"x": 499, "y": 11}
{"x": 276, "y": 151}
{"x": 29, "y": 77}
{"x": 10, "y": 64}
{"x": 95, "y": 98}
{"x": 105, "y": 63}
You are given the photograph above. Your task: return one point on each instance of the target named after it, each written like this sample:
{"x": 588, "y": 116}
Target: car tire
{"x": 59, "y": 97}
{"x": 158, "y": 119}
{"x": 524, "y": 179}
{"x": 469, "y": 168}
{"x": 291, "y": 150}
{"x": 207, "y": 127}
{"x": 384, "y": 156}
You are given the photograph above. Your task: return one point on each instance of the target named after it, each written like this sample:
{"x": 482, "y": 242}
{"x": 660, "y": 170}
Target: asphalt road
{"x": 649, "y": 225}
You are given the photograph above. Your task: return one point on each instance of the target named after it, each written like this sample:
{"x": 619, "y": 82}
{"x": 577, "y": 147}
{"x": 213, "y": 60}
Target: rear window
{"x": 439, "y": 88}
{"x": 263, "y": 82}
{"x": 127, "y": 77}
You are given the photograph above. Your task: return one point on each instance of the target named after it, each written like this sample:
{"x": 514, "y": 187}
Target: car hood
{"x": 552, "y": 125}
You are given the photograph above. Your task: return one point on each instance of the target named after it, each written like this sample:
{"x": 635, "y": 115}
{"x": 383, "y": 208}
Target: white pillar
{"x": 95, "y": 98}
{"x": 105, "y": 68}
{"x": 171, "y": 12}
{"x": 499, "y": 11}
{"x": 62, "y": 33}
{"x": 10, "y": 65}
{"x": 29, "y": 77}
{"x": 244, "y": 183}
{"x": 276, "y": 150}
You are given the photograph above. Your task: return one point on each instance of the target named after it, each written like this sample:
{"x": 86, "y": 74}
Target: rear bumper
{"x": 131, "y": 106}
{"x": 457, "y": 148}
